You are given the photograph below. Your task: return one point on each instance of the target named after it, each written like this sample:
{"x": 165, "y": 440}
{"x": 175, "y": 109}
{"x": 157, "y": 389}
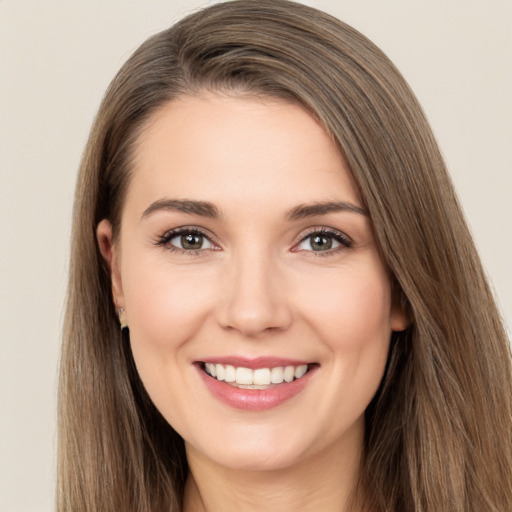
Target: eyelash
{"x": 344, "y": 241}
{"x": 165, "y": 239}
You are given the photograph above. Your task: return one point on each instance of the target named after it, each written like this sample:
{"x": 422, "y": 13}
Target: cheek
{"x": 352, "y": 320}
{"x": 352, "y": 308}
{"x": 165, "y": 306}
{"x": 165, "y": 309}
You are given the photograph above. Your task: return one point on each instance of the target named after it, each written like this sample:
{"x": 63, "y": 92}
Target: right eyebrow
{"x": 323, "y": 208}
{"x": 202, "y": 208}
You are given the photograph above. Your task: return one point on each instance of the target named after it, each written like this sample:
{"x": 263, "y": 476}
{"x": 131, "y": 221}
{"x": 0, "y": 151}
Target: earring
{"x": 120, "y": 316}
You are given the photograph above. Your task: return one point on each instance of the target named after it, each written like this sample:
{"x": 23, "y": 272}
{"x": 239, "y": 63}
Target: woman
{"x": 305, "y": 322}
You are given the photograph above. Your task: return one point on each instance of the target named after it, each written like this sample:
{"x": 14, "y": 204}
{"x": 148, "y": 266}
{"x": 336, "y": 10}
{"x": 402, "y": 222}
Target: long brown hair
{"x": 439, "y": 431}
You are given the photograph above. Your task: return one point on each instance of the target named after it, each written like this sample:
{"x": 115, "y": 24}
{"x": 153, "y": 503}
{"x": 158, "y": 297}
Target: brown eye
{"x": 324, "y": 241}
{"x": 191, "y": 241}
{"x": 321, "y": 243}
{"x": 187, "y": 241}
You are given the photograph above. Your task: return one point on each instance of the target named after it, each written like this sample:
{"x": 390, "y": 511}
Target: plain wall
{"x": 56, "y": 60}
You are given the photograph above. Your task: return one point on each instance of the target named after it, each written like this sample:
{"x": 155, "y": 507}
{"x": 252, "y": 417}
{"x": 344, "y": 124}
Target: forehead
{"x": 219, "y": 148}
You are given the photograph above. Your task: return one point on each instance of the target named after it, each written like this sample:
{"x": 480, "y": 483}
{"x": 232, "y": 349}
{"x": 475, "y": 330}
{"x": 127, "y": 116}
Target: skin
{"x": 255, "y": 288}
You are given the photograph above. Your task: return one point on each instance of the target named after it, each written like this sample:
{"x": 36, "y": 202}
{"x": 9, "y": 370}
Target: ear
{"x": 110, "y": 254}
{"x": 399, "y": 318}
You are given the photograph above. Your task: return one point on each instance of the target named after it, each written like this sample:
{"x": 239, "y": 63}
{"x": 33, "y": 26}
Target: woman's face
{"x": 245, "y": 253}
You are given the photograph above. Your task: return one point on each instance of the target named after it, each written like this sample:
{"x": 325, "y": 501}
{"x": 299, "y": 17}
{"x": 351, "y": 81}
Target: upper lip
{"x": 254, "y": 363}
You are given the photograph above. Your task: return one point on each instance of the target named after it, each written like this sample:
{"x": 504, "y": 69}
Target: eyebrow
{"x": 206, "y": 209}
{"x": 202, "y": 208}
{"x": 311, "y": 210}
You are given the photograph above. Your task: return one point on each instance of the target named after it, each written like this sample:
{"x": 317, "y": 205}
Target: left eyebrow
{"x": 202, "y": 208}
{"x": 303, "y": 211}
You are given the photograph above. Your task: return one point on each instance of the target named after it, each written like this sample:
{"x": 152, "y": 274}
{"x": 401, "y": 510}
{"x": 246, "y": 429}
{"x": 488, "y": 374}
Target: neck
{"x": 325, "y": 481}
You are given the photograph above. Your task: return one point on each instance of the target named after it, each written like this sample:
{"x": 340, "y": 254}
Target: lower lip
{"x": 255, "y": 399}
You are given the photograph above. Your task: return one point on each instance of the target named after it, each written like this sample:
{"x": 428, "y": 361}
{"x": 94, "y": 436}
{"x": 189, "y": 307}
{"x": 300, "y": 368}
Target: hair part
{"x": 438, "y": 433}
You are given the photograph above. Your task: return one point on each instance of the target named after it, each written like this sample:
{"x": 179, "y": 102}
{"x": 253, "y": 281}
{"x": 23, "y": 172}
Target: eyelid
{"x": 164, "y": 240}
{"x": 345, "y": 241}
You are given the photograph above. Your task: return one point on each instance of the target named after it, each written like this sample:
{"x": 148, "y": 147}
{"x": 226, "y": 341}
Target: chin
{"x": 253, "y": 460}
{"x": 257, "y": 448}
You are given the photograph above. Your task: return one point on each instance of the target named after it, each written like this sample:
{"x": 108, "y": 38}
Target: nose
{"x": 254, "y": 298}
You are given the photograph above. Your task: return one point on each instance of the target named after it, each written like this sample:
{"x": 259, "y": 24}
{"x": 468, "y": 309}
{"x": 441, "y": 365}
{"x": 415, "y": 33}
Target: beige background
{"x": 56, "y": 59}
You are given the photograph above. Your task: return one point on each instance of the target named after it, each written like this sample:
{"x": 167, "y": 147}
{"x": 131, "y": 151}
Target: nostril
{"x": 252, "y": 320}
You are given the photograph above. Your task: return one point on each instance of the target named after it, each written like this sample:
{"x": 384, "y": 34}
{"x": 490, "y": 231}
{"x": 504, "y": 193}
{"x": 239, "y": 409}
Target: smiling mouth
{"x": 259, "y": 378}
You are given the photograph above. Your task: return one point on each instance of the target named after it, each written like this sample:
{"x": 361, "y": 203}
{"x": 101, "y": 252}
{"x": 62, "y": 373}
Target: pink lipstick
{"x": 255, "y": 384}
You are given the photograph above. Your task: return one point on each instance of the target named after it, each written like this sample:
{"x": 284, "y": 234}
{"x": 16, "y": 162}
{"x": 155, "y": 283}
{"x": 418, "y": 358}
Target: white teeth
{"x": 289, "y": 373}
{"x": 244, "y": 376}
{"x": 211, "y": 369}
{"x": 276, "y": 375}
{"x": 301, "y": 370}
{"x": 259, "y": 378}
{"x": 230, "y": 373}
